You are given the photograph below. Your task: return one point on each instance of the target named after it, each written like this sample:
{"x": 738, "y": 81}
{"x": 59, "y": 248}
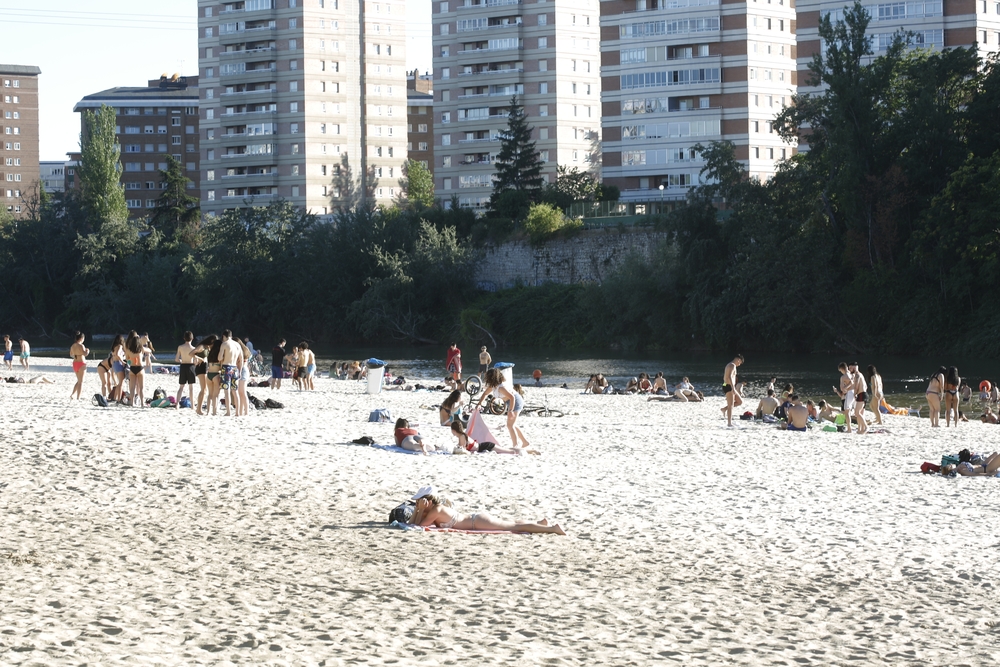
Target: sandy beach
{"x": 158, "y": 537}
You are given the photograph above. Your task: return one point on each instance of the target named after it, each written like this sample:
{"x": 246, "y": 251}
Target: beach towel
{"x": 400, "y": 450}
{"x": 432, "y": 529}
{"x": 478, "y": 430}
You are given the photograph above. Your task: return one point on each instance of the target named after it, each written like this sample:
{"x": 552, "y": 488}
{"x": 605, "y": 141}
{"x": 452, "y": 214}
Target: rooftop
{"x": 27, "y": 70}
{"x": 166, "y": 91}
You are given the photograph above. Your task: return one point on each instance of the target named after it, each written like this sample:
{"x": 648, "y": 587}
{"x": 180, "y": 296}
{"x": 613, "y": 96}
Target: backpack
{"x": 159, "y": 393}
{"x": 273, "y": 404}
{"x": 364, "y": 440}
{"x": 99, "y": 401}
{"x": 403, "y": 513}
{"x": 185, "y": 402}
{"x": 256, "y": 402}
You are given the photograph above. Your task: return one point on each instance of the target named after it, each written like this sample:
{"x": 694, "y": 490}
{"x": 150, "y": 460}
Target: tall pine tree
{"x": 518, "y": 166}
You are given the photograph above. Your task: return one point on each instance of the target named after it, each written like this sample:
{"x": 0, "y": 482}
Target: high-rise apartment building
{"x": 19, "y": 171}
{"x": 420, "y": 119}
{"x": 682, "y": 72}
{"x": 290, "y": 88}
{"x": 546, "y": 52}
{"x": 935, "y": 24}
{"x": 152, "y": 122}
{"x": 53, "y": 176}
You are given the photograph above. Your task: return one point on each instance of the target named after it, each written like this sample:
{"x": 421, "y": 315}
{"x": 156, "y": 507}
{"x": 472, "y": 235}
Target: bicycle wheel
{"x": 497, "y": 407}
{"x": 473, "y": 386}
{"x": 545, "y": 412}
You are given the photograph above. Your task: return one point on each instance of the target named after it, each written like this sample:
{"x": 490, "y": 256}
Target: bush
{"x": 544, "y": 220}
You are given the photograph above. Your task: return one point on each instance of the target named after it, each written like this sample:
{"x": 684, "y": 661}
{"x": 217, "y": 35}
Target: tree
{"x": 518, "y": 165}
{"x": 416, "y": 187}
{"x": 345, "y": 196}
{"x": 571, "y": 186}
{"x": 177, "y": 213}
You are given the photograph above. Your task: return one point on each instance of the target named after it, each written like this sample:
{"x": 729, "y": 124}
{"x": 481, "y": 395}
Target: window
{"x": 210, "y": 175}
{"x": 543, "y": 42}
{"x": 175, "y": 141}
{"x": 422, "y": 127}
{"x": 543, "y": 87}
{"x": 446, "y": 140}
{"x": 543, "y": 110}
{"x": 543, "y": 19}
{"x": 543, "y": 133}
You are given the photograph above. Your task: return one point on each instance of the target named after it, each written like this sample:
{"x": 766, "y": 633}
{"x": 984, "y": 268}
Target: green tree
{"x": 571, "y": 186}
{"x": 416, "y": 186}
{"x": 544, "y": 220}
{"x": 518, "y": 165}
{"x": 177, "y": 214}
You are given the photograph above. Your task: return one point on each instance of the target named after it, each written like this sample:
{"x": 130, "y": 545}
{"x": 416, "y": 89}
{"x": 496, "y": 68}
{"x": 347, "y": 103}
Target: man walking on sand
{"x": 860, "y": 397}
{"x": 25, "y": 353}
{"x": 229, "y": 355}
{"x": 733, "y": 397}
{"x": 277, "y": 364}
{"x": 8, "y": 353}
{"x": 185, "y": 358}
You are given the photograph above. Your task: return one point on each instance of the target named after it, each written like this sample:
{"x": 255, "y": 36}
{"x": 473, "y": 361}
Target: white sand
{"x": 144, "y": 536}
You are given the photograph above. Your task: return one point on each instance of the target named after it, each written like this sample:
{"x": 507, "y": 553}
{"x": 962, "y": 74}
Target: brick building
{"x": 19, "y": 158}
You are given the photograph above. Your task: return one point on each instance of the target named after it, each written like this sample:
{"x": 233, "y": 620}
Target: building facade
{"x": 682, "y": 72}
{"x": 420, "y": 120}
{"x": 547, "y": 53}
{"x": 19, "y": 169}
{"x": 935, "y": 24}
{"x": 53, "y": 176}
{"x": 293, "y": 88}
{"x": 152, "y": 122}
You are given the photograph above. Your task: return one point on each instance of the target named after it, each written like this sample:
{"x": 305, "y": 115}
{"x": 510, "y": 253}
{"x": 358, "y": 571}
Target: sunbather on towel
{"x": 431, "y": 511}
{"x": 409, "y": 438}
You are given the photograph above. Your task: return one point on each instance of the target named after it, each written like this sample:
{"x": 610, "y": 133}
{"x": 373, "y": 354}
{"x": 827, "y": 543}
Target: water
{"x": 813, "y": 376}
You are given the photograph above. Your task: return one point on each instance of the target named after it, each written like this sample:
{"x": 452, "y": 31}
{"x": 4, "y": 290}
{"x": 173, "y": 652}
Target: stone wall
{"x": 587, "y": 257}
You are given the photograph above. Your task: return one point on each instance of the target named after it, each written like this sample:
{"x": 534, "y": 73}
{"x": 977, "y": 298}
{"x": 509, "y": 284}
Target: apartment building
{"x": 682, "y": 72}
{"x": 420, "y": 119}
{"x": 19, "y": 170}
{"x": 935, "y": 24}
{"x": 547, "y": 53}
{"x": 152, "y": 122}
{"x": 52, "y": 175}
{"x": 292, "y": 87}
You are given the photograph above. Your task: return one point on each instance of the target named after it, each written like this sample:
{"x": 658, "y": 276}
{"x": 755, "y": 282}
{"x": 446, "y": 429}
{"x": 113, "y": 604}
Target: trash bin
{"x": 507, "y": 369}
{"x": 376, "y": 371}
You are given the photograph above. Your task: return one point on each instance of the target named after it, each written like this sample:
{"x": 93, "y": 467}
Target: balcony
{"x": 488, "y": 3}
{"x": 493, "y": 71}
{"x": 269, "y": 93}
{"x": 467, "y": 97}
{"x": 250, "y": 6}
{"x": 248, "y": 197}
{"x": 248, "y": 113}
{"x": 243, "y": 53}
{"x": 250, "y": 72}
{"x": 263, "y": 176}
{"x": 478, "y": 141}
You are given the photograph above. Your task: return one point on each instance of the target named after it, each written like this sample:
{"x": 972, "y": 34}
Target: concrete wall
{"x": 587, "y": 257}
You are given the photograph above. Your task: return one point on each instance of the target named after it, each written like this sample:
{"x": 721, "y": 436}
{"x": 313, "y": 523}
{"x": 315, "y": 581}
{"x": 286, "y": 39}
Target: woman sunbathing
{"x": 431, "y": 511}
{"x": 987, "y": 468}
{"x": 409, "y": 438}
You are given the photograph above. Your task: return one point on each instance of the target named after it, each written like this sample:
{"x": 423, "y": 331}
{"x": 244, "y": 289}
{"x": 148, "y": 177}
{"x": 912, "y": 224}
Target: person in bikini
{"x": 846, "y": 393}
{"x": 935, "y": 389}
{"x": 106, "y": 374}
{"x": 431, "y": 511}
{"x": 8, "y": 353}
{"x": 660, "y": 384}
{"x": 685, "y": 391}
{"x": 495, "y": 382}
{"x": 185, "y": 357}
{"x": 877, "y": 392}
{"x": 133, "y": 356}
{"x": 952, "y": 382}
{"x": 200, "y": 357}
{"x": 732, "y": 389}
{"x": 79, "y": 353}
{"x": 468, "y": 444}
{"x": 797, "y": 415}
{"x": 410, "y": 438}
{"x": 860, "y": 397}
{"x": 229, "y": 355}
{"x": 451, "y": 408}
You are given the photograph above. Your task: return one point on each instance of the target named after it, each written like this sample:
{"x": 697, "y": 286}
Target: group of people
{"x": 656, "y": 387}
{"x": 8, "y": 353}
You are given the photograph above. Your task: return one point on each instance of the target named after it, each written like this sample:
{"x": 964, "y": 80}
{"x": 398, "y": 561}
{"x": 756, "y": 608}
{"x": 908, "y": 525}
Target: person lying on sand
{"x": 41, "y": 379}
{"x": 431, "y": 511}
{"x": 989, "y": 417}
{"x": 409, "y": 438}
{"x": 988, "y": 468}
{"x": 468, "y": 444}
{"x": 685, "y": 391}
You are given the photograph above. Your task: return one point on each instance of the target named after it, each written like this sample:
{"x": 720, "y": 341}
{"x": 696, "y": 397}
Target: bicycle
{"x": 542, "y": 410}
{"x": 257, "y": 366}
{"x": 492, "y": 404}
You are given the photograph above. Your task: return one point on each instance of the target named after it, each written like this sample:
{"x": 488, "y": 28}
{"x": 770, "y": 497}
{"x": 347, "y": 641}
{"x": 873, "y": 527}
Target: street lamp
{"x": 661, "y": 197}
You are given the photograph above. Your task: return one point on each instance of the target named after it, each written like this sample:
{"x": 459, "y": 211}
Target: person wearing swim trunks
{"x": 731, "y": 388}
{"x": 484, "y": 361}
{"x": 796, "y": 414}
{"x": 431, "y": 510}
{"x": 8, "y": 353}
{"x": 243, "y": 406}
{"x": 229, "y": 354}
{"x": 277, "y": 363}
{"x": 25, "y": 353}
{"x": 307, "y": 361}
{"x": 185, "y": 357}
{"x": 846, "y": 393}
{"x": 496, "y": 382}
{"x": 79, "y": 353}
{"x": 453, "y": 362}
{"x": 860, "y": 397}
{"x": 934, "y": 393}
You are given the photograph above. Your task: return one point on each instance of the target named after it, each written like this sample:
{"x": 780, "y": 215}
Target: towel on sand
{"x": 478, "y": 430}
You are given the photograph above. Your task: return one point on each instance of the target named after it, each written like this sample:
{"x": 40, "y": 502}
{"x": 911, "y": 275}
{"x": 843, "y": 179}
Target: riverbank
{"x": 162, "y": 537}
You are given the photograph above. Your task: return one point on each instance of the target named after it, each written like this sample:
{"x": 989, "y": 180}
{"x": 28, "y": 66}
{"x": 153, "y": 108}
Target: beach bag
{"x": 403, "y": 513}
{"x": 99, "y": 401}
{"x": 747, "y": 416}
{"x": 273, "y": 404}
{"x": 185, "y": 402}
{"x": 256, "y": 402}
{"x": 160, "y": 403}
{"x": 364, "y": 440}
{"x": 927, "y": 468}
{"x": 380, "y": 415}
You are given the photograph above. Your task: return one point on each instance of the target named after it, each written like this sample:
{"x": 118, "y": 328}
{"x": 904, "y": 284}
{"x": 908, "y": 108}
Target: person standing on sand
{"x": 453, "y": 362}
{"x": 8, "y": 353}
{"x": 877, "y": 391}
{"x": 732, "y": 389}
{"x": 133, "y": 354}
{"x": 951, "y": 399}
{"x": 185, "y": 357}
{"x": 79, "y": 353}
{"x": 860, "y": 397}
{"x": 484, "y": 361}
{"x": 935, "y": 389}
{"x": 846, "y": 393}
{"x": 25, "y": 353}
{"x": 229, "y": 354}
{"x": 277, "y": 364}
